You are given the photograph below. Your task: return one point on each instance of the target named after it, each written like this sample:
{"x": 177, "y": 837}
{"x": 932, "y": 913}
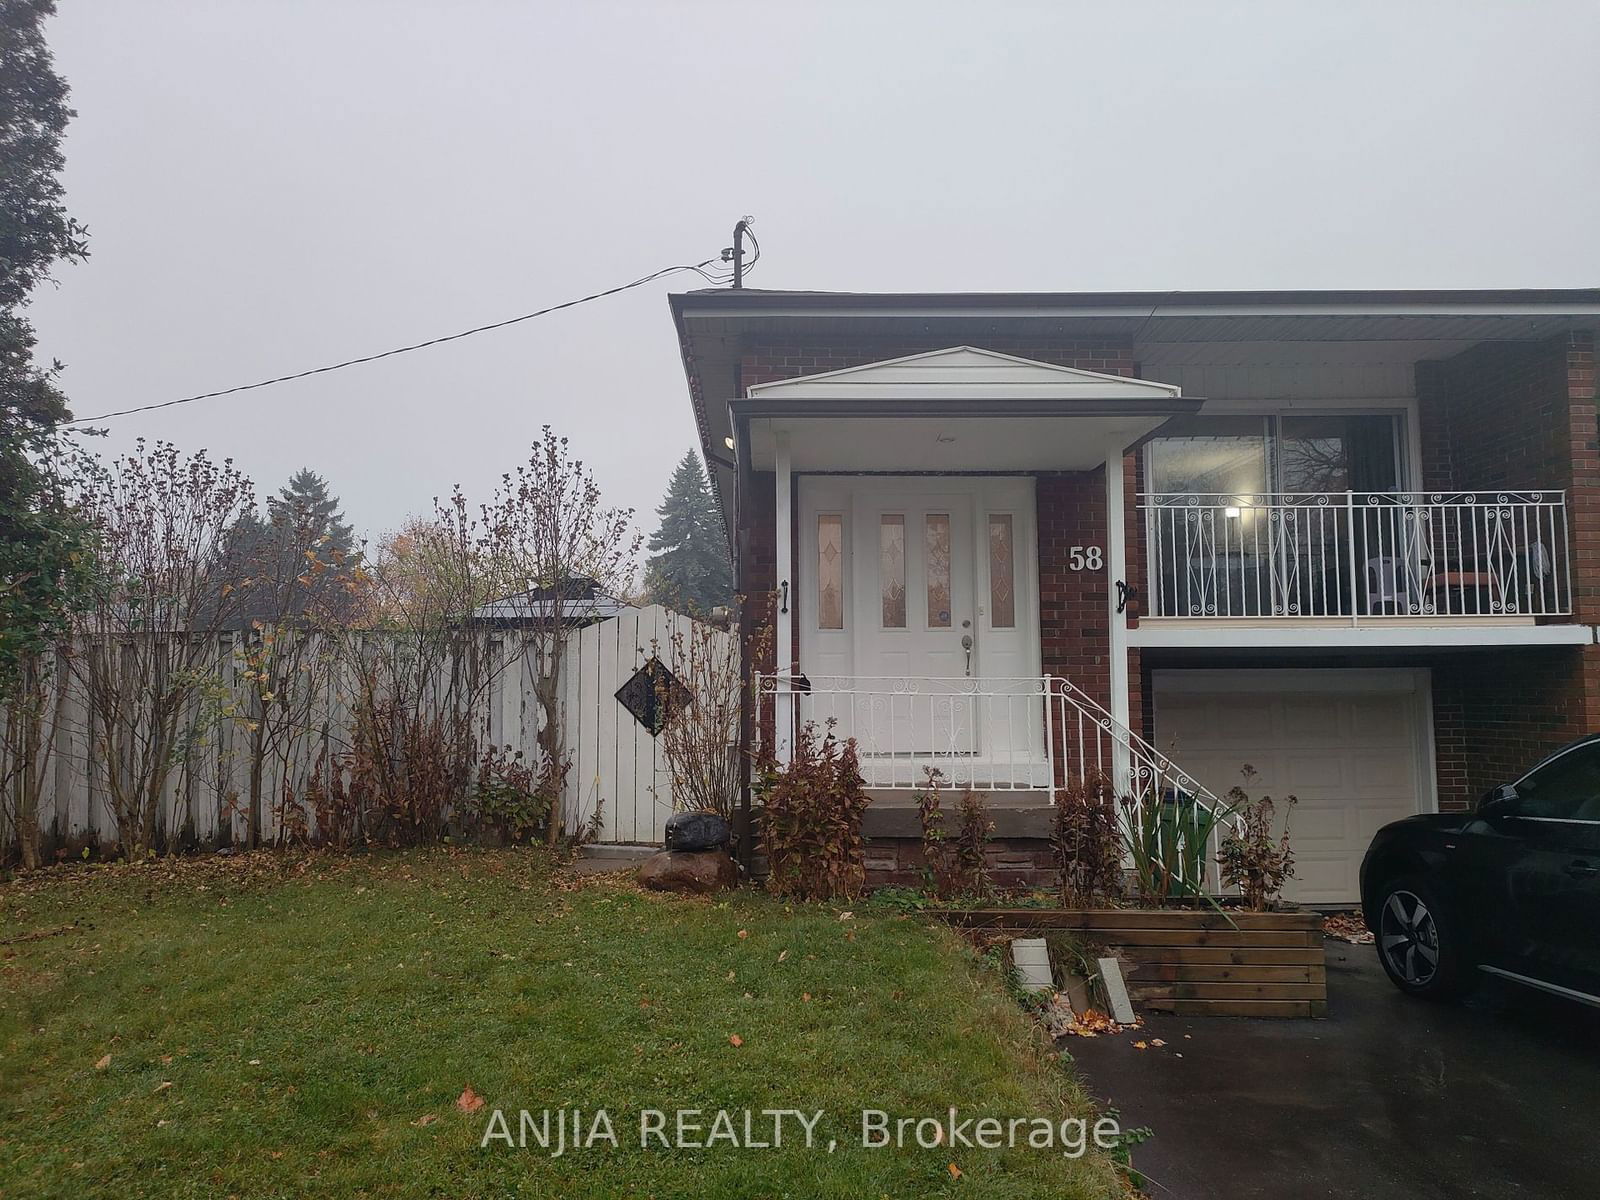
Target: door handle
{"x": 966, "y": 644}
{"x": 1578, "y": 868}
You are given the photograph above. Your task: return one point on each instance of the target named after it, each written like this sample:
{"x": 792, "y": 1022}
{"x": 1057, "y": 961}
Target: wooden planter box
{"x": 1194, "y": 962}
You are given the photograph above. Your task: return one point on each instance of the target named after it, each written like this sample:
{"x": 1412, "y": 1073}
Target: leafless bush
{"x": 701, "y": 736}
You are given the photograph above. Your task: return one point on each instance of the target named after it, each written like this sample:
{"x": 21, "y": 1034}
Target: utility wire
{"x": 697, "y": 268}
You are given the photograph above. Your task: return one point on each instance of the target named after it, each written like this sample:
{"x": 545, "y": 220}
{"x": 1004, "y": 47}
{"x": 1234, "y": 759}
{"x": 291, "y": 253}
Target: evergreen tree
{"x": 269, "y": 558}
{"x": 305, "y": 508}
{"x": 689, "y": 570}
{"x": 44, "y": 551}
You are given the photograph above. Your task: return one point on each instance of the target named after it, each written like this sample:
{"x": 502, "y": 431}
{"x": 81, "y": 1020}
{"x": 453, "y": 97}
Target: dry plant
{"x": 147, "y": 658}
{"x": 1250, "y": 858}
{"x": 1087, "y": 837}
{"x": 811, "y": 826}
{"x": 424, "y": 677}
{"x": 700, "y": 737}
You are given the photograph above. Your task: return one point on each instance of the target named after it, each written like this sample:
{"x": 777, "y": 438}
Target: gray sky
{"x": 271, "y": 185}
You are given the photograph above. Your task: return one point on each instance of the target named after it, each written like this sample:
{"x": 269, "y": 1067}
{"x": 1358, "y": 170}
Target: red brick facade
{"x": 1514, "y": 415}
{"x": 1495, "y": 715}
{"x": 1520, "y": 416}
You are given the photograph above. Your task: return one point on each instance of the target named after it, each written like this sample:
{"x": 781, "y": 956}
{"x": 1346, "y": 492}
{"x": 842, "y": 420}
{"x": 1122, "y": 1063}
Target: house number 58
{"x": 1085, "y": 558}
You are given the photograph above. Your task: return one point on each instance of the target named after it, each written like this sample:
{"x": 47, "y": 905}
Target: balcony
{"x": 1360, "y": 556}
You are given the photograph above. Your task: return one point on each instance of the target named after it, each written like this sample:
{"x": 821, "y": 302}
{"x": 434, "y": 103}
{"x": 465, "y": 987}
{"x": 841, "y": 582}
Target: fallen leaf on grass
{"x": 735, "y": 1040}
{"x": 783, "y": 956}
{"x": 469, "y": 1101}
{"x": 744, "y": 933}
{"x": 955, "y": 1171}
{"x": 163, "y": 1085}
{"x": 103, "y": 1063}
{"x": 425, "y": 1120}
{"x": 847, "y": 915}
{"x": 806, "y": 997}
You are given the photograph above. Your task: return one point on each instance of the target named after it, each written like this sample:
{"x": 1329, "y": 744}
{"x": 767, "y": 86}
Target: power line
{"x": 697, "y": 268}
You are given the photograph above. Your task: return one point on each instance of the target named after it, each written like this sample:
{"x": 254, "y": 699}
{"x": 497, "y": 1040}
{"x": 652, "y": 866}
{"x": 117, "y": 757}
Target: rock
{"x": 696, "y": 831}
{"x": 697, "y": 871}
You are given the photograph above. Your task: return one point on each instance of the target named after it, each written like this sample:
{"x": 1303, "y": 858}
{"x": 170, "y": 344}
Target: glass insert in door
{"x": 892, "y": 569}
{"x": 937, "y": 528}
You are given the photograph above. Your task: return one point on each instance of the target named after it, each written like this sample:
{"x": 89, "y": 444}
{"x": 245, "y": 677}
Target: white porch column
{"x": 1117, "y": 568}
{"x": 783, "y": 635}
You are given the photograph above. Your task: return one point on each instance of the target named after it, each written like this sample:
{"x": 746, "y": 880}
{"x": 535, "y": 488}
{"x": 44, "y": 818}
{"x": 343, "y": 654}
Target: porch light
{"x": 1231, "y": 511}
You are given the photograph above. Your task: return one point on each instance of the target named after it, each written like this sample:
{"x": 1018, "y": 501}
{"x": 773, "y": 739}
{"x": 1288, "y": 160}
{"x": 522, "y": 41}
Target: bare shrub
{"x": 701, "y": 736}
{"x": 146, "y": 657}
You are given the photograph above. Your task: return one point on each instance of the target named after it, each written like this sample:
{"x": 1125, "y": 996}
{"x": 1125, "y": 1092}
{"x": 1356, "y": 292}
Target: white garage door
{"x": 1349, "y": 744}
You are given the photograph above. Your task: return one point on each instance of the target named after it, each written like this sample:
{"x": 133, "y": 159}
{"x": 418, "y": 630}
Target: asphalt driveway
{"x": 1388, "y": 1097}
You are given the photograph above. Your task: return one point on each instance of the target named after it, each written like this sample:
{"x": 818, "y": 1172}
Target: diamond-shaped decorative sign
{"x": 652, "y": 694}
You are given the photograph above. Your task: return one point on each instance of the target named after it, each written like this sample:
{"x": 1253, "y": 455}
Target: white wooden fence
{"x": 617, "y": 764}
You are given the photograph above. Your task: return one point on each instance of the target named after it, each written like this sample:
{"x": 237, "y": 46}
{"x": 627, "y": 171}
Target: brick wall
{"x": 1521, "y": 416}
{"x": 1014, "y": 862}
{"x": 1495, "y": 715}
{"x": 1074, "y": 619}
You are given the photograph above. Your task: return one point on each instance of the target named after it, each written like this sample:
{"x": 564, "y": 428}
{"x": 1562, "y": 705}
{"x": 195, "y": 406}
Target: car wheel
{"x": 1417, "y": 941}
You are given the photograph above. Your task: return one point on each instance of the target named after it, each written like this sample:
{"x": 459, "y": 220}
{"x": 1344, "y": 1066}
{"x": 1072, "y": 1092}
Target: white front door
{"x": 918, "y": 612}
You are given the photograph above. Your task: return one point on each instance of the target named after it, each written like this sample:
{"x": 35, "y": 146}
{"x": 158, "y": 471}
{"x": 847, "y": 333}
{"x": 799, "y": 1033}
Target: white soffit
{"x": 946, "y": 444}
{"x": 965, "y": 373}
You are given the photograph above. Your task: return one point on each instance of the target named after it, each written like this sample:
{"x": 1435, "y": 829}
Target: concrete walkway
{"x": 1389, "y": 1097}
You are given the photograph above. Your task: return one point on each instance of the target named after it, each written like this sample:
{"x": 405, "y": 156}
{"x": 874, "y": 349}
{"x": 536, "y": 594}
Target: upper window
{"x": 1566, "y": 788}
{"x": 1250, "y": 456}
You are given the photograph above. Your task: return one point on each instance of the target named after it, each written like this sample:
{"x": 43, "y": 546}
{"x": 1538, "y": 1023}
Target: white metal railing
{"x": 984, "y": 732}
{"x": 1357, "y": 554}
{"x": 993, "y": 735}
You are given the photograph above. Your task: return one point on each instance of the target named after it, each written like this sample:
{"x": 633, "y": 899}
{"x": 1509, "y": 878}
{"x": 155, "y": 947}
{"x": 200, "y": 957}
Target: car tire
{"x": 1418, "y": 941}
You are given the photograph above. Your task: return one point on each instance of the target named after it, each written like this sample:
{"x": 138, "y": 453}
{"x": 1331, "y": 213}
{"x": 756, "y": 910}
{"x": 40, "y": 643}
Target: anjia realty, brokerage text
{"x": 558, "y": 1131}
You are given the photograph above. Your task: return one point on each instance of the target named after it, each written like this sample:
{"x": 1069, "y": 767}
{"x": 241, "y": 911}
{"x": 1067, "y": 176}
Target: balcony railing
{"x": 1357, "y": 554}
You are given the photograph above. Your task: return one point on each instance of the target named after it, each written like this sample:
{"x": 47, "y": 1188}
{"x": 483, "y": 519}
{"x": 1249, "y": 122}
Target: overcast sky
{"x": 272, "y": 185}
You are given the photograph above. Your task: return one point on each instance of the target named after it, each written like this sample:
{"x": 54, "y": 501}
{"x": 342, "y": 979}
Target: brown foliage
{"x": 1249, "y": 857}
{"x": 959, "y": 865}
{"x": 811, "y": 827}
{"x": 1088, "y": 842}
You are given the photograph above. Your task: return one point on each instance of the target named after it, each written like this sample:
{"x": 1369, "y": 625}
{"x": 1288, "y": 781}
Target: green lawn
{"x": 305, "y": 1027}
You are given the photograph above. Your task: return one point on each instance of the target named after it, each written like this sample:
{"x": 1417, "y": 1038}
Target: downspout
{"x": 743, "y": 489}
{"x": 1117, "y": 573}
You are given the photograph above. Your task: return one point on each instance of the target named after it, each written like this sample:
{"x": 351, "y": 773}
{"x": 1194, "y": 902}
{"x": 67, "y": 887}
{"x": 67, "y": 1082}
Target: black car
{"x": 1512, "y": 889}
